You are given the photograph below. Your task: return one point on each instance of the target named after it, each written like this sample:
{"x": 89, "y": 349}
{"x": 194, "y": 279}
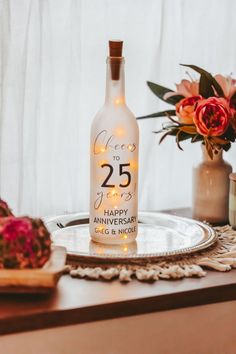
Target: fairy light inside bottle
{"x": 100, "y": 228}
{"x": 102, "y": 162}
{"x": 119, "y": 101}
{"x": 113, "y": 192}
{"x": 119, "y": 131}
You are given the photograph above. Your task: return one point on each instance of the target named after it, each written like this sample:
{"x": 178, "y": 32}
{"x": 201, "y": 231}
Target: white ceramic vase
{"x": 211, "y": 189}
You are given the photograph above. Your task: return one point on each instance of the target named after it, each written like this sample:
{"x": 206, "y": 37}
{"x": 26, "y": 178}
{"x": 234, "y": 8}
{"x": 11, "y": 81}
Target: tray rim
{"x": 93, "y": 257}
{"x": 36, "y": 280}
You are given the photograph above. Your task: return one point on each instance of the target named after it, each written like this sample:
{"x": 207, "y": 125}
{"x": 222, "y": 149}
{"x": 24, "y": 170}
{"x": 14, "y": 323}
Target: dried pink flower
{"x": 4, "y": 209}
{"x": 24, "y": 243}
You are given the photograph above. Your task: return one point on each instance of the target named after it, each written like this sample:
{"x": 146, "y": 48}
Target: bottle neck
{"x": 115, "y": 84}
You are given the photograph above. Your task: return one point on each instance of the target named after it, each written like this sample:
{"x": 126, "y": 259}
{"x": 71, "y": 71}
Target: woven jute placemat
{"x": 220, "y": 257}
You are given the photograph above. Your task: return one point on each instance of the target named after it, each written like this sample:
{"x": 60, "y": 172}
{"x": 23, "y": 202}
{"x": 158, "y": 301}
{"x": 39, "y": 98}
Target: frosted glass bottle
{"x": 114, "y": 164}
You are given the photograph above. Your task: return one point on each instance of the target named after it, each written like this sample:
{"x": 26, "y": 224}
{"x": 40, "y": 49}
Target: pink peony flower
{"x": 185, "y": 109}
{"x": 212, "y": 116}
{"x": 186, "y": 88}
{"x": 227, "y": 84}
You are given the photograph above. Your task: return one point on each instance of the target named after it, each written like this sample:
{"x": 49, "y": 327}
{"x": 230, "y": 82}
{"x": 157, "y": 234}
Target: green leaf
{"x": 234, "y": 96}
{"x": 160, "y": 91}
{"x": 181, "y": 136}
{"x": 205, "y": 87}
{"x": 197, "y": 138}
{"x": 229, "y": 134}
{"x": 173, "y": 120}
{"x": 233, "y": 101}
{"x": 158, "y": 131}
{"x": 174, "y": 99}
{"x": 163, "y": 137}
{"x": 172, "y": 131}
{"x": 177, "y": 140}
{"x": 208, "y": 76}
{"x": 226, "y": 147}
{"x": 159, "y": 114}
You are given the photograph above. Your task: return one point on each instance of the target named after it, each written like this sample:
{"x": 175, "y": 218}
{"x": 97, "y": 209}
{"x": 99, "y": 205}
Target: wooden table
{"x": 77, "y": 306}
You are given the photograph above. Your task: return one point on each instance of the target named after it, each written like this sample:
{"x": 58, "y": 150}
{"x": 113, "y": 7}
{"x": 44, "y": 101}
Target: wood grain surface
{"x": 78, "y": 300}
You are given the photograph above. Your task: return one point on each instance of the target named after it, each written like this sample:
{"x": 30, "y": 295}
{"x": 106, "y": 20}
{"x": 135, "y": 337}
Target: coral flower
{"x": 212, "y": 116}
{"x": 185, "y": 109}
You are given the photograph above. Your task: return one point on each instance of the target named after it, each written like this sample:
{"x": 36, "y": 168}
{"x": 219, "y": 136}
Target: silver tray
{"x": 159, "y": 235}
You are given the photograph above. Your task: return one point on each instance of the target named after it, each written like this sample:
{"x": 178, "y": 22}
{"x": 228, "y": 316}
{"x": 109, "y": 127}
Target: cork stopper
{"x": 115, "y": 48}
{"x": 115, "y": 54}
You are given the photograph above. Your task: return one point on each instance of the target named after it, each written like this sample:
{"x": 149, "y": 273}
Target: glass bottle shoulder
{"x": 111, "y": 115}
